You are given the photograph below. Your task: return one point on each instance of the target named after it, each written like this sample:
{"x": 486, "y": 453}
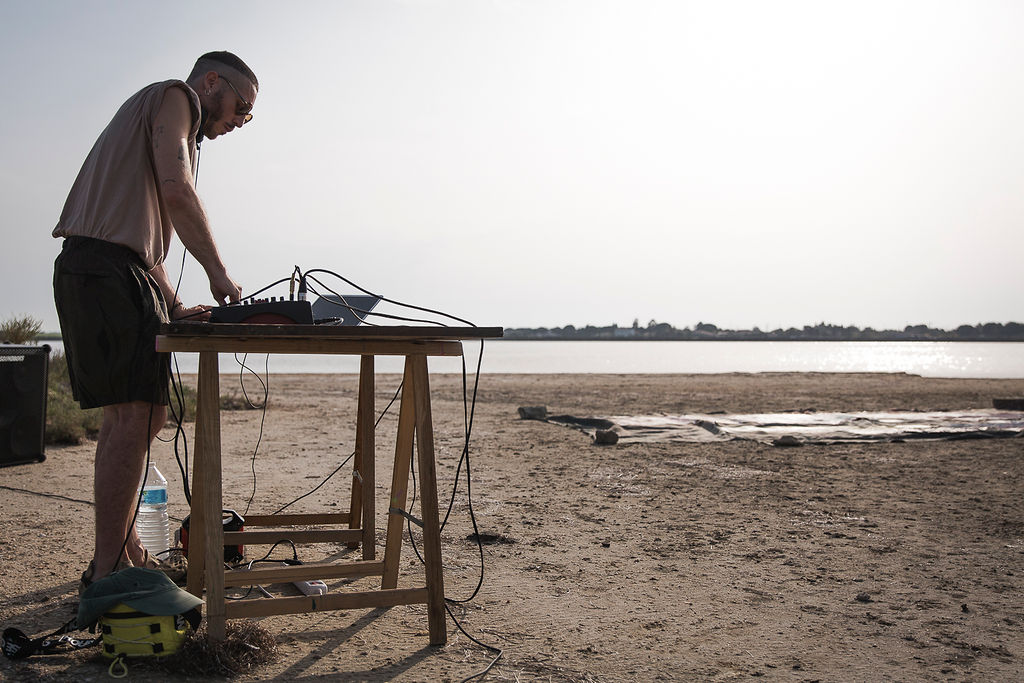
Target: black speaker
{"x": 23, "y": 375}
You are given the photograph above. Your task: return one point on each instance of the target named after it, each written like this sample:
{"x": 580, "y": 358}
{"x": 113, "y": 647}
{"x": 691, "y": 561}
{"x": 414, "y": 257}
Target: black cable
{"x": 469, "y": 487}
{"x": 315, "y": 488}
{"x": 266, "y": 388}
{"x": 48, "y": 495}
{"x": 481, "y": 644}
{"x": 390, "y": 301}
{"x": 368, "y": 313}
{"x": 342, "y": 304}
{"x": 263, "y": 417}
{"x": 295, "y": 554}
{"x": 469, "y": 478}
{"x": 179, "y": 431}
{"x": 250, "y": 563}
{"x": 90, "y": 503}
{"x": 195, "y": 176}
{"x": 468, "y": 414}
{"x": 350, "y": 456}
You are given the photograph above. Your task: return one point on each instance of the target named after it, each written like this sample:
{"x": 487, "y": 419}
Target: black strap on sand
{"x": 17, "y": 645}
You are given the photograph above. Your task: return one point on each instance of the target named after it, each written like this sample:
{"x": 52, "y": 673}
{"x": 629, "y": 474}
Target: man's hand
{"x": 224, "y": 289}
{"x": 191, "y": 313}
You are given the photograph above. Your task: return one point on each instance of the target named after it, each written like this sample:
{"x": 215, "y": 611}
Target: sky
{"x": 543, "y": 163}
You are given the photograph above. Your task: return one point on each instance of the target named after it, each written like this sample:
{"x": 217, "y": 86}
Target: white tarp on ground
{"x": 805, "y": 427}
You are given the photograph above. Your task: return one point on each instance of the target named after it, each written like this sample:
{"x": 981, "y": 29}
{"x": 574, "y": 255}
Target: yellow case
{"x": 134, "y": 634}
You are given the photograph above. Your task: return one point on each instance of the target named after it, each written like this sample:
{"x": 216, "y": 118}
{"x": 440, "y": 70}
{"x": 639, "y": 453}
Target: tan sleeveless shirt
{"x": 117, "y": 197}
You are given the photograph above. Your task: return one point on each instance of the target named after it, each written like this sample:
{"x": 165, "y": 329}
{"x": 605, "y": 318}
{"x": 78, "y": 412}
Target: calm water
{"x": 929, "y": 359}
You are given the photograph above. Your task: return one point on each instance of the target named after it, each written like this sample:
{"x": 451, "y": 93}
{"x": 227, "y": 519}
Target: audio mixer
{"x": 272, "y": 311}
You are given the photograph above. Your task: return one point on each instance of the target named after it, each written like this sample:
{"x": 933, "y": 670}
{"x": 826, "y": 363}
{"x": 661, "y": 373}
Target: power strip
{"x": 309, "y": 587}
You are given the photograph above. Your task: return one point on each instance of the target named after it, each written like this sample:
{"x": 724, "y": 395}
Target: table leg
{"x": 197, "y": 532}
{"x": 367, "y": 445}
{"x": 400, "y": 480}
{"x": 428, "y": 497}
{"x": 355, "y": 509}
{"x": 208, "y": 477}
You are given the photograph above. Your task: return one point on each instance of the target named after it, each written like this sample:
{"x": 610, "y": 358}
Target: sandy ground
{"x": 643, "y": 562}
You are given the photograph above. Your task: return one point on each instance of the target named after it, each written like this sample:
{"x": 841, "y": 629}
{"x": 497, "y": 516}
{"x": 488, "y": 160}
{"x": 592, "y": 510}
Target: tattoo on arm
{"x": 182, "y": 154}
{"x": 157, "y": 134}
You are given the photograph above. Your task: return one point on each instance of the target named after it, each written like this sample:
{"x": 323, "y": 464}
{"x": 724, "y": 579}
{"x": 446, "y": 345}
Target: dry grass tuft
{"x": 247, "y": 645}
{"x": 20, "y": 330}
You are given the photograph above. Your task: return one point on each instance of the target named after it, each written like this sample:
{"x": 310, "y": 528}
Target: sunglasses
{"x": 247, "y": 106}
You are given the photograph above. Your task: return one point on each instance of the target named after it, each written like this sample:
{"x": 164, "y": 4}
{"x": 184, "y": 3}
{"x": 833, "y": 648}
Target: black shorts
{"x": 110, "y": 309}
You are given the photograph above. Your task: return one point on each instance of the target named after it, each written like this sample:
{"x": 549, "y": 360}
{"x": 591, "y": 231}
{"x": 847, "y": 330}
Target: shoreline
{"x": 961, "y": 360}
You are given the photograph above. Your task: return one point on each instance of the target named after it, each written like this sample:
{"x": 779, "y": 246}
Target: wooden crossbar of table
{"x": 207, "y": 536}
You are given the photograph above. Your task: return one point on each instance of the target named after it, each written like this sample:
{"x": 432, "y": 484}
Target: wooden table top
{"x": 360, "y": 332}
{"x": 368, "y": 340}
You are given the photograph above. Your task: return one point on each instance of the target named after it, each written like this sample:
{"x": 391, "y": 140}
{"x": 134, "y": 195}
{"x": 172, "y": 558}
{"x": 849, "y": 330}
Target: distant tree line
{"x": 821, "y": 332}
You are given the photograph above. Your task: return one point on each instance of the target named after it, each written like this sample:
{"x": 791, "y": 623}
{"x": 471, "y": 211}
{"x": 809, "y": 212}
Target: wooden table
{"x": 206, "y": 534}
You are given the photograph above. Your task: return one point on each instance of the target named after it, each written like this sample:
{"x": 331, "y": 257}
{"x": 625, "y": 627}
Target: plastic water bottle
{"x": 152, "y": 523}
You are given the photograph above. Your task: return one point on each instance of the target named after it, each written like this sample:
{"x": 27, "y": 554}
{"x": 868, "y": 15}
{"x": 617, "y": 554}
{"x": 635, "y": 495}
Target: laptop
{"x": 350, "y": 309}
